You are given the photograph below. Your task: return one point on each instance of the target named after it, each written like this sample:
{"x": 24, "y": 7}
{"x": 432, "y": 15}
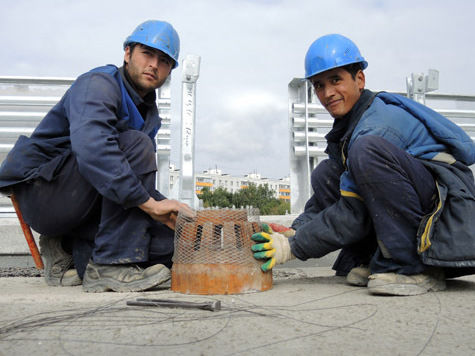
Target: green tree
{"x": 220, "y": 198}
{"x": 207, "y": 197}
{"x": 276, "y": 207}
{"x": 261, "y": 197}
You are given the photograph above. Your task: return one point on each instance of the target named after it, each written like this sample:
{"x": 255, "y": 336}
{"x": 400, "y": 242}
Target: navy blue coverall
{"x": 87, "y": 167}
{"x": 396, "y": 211}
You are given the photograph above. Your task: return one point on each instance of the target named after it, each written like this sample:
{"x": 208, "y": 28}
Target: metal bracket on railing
{"x": 191, "y": 72}
{"x": 419, "y": 84}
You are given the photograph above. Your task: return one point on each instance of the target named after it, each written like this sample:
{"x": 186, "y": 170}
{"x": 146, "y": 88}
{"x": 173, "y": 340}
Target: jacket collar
{"x": 342, "y": 128}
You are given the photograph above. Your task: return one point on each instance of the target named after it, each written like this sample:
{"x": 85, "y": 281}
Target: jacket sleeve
{"x": 92, "y": 108}
{"x": 341, "y": 224}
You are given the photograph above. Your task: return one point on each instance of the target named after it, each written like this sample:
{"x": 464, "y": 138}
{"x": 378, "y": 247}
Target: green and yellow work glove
{"x": 272, "y": 247}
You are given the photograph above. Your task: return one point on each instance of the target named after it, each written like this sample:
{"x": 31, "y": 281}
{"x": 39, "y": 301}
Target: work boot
{"x": 358, "y": 276}
{"x": 58, "y": 271}
{"x": 432, "y": 280}
{"x": 123, "y": 278}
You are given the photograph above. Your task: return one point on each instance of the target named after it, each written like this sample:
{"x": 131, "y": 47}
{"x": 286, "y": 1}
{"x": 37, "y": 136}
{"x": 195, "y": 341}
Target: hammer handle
{"x": 212, "y": 306}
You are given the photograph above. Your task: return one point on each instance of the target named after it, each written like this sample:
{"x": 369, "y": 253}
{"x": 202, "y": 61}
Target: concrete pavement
{"x": 309, "y": 311}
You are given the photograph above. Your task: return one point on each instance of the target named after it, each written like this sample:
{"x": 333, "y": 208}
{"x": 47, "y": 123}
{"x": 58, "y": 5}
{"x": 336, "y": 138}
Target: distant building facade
{"x": 214, "y": 178}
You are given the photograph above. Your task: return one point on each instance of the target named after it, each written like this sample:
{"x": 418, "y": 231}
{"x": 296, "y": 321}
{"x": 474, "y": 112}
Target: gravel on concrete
{"x": 20, "y": 272}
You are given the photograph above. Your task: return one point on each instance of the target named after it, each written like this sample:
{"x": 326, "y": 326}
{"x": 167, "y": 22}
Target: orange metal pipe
{"x": 35, "y": 253}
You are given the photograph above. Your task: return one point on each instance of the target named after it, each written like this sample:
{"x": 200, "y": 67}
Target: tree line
{"x": 261, "y": 197}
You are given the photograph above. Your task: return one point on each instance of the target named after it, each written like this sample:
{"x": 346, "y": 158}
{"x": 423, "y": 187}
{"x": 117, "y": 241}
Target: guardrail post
{"x": 191, "y": 71}
{"x": 163, "y": 139}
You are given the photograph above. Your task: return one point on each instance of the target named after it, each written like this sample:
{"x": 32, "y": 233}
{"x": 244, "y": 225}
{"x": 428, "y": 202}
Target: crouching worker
{"x": 85, "y": 179}
{"x": 396, "y": 194}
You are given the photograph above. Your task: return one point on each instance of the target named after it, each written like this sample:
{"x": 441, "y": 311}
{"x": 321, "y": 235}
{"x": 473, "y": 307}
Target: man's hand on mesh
{"x": 272, "y": 247}
{"x": 165, "y": 211}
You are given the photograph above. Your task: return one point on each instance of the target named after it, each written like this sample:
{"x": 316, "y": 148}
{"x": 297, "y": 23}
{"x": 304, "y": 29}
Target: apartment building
{"x": 215, "y": 178}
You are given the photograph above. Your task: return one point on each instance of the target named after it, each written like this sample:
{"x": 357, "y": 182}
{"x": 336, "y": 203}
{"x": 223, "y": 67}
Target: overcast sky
{"x": 250, "y": 50}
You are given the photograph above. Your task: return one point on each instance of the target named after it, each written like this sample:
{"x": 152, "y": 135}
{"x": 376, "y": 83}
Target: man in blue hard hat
{"x": 85, "y": 179}
{"x": 395, "y": 195}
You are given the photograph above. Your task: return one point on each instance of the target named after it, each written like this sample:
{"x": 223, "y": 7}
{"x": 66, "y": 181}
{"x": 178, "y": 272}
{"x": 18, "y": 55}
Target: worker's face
{"x": 148, "y": 68}
{"x": 337, "y": 91}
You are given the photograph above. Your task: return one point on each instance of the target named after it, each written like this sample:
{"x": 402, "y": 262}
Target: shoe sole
{"x": 109, "y": 284}
{"x": 71, "y": 281}
{"x": 65, "y": 282}
{"x": 381, "y": 288}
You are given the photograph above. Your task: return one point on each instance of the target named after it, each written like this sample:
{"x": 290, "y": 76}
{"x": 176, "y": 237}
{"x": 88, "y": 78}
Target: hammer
{"x": 212, "y": 306}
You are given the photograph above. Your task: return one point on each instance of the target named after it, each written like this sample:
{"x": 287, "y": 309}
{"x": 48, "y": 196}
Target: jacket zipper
{"x": 343, "y": 157}
{"x": 425, "y": 237}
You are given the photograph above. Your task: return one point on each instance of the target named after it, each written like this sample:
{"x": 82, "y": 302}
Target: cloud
{"x": 251, "y": 101}
{"x": 244, "y": 127}
{"x": 250, "y": 51}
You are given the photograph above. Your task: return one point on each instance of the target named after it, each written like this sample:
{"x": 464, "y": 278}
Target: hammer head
{"x": 215, "y": 306}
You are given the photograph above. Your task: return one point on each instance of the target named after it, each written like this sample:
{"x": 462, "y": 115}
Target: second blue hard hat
{"x": 159, "y": 35}
{"x": 331, "y": 51}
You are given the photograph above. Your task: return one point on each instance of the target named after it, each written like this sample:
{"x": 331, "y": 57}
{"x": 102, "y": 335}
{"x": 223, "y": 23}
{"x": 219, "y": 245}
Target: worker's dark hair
{"x": 353, "y": 68}
{"x": 132, "y": 45}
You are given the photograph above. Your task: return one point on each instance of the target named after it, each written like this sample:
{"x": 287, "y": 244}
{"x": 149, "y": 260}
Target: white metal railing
{"x": 24, "y": 101}
{"x": 309, "y": 122}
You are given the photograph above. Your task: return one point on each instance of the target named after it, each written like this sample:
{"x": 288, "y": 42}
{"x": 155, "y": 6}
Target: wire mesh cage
{"x": 213, "y": 253}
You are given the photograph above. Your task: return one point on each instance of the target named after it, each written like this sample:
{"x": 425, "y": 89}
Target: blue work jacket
{"x": 86, "y": 123}
{"x": 417, "y": 129}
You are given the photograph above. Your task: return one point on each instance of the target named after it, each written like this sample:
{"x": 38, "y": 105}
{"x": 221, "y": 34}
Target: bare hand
{"x": 165, "y": 211}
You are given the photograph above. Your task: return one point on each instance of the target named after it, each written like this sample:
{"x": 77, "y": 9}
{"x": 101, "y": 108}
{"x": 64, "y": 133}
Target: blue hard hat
{"x": 331, "y": 51}
{"x": 157, "y": 34}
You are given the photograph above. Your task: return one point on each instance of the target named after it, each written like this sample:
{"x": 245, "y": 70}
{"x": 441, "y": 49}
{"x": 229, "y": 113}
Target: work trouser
{"x": 93, "y": 226}
{"x": 397, "y": 191}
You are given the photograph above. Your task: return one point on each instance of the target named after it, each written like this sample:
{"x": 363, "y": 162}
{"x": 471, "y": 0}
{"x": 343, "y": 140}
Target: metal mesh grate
{"x": 216, "y": 237}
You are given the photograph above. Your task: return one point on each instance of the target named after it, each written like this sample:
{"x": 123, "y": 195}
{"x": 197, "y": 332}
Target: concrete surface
{"x": 309, "y": 311}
